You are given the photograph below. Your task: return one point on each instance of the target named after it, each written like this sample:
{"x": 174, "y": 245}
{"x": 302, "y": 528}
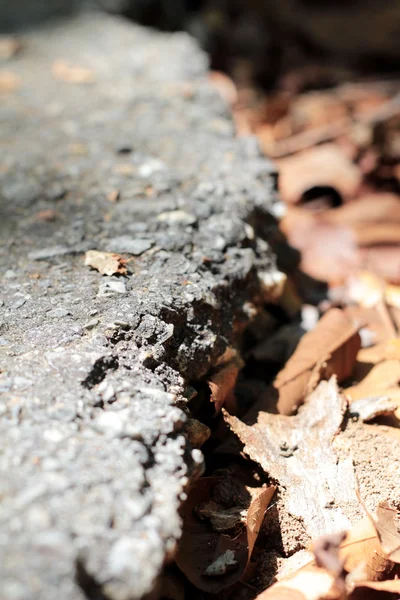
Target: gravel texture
{"x": 94, "y": 371}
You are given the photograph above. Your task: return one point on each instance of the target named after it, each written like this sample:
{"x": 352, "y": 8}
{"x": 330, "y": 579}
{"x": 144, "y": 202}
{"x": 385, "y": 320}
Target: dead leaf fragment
{"x": 362, "y": 555}
{"x": 9, "y": 82}
{"x": 322, "y": 167}
{"x": 113, "y": 196}
{"x": 382, "y": 380}
{"x": 9, "y": 47}
{"x": 65, "y": 71}
{"x": 387, "y": 526}
{"x": 297, "y": 452}
{"x": 310, "y": 583}
{"x": 222, "y": 385}
{"x": 372, "y": 407}
{"x": 326, "y": 551}
{"x": 214, "y": 561}
{"x": 330, "y": 348}
{"x": 106, "y": 263}
{"x": 222, "y": 565}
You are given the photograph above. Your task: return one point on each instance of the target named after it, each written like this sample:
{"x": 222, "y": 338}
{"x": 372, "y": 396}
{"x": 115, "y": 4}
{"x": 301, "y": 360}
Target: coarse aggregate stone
{"x": 94, "y": 371}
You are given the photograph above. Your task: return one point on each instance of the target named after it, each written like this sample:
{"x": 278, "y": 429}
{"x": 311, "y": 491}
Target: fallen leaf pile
{"x": 338, "y": 155}
{"x": 312, "y": 415}
{"x": 221, "y": 525}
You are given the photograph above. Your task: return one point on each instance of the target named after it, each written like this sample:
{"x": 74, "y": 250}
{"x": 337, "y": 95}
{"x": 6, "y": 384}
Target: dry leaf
{"x": 366, "y": 289}
{"x": 375, "y": 319}
{"x": 309, "y": 583}
{"x": 65, "y": 71}
{"x": 383, "y": 260}
{"x": 387, "y": 524}
{"x": 326, "y": 551}
{"x": 202, "y": 548}
{"x": 225, "y": 86}
{"x": 9, "y": 47}
{"x": 329, "y": 251}
{"x": 9, "y": 82}
{"x": 382, "y": 380}
{"x": 389, "y": 590}
{"x": 106, "y": 263}
{"x": 361, "y": 556}
{"x": 297, "y": 452}
{"x": 367, "y": 210}
{"x": 372, "y": 407}
{"x": 323, "y": 166}
{"x": 330, "y": 348}
{"x": 392, "y": 295}
{"x": 222, "y": 385}
{"x": 113, "y": 196}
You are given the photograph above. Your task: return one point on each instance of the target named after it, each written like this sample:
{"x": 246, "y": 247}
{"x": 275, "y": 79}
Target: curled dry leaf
{"x": 382, "y": 380}
{"x": 386, "y": 350}
{"x": 65, "y": 71}
{"x": 387, "y": 524}
{"x": 298, "y": 453}
{"x": 106, "y": 263}
{"x": 309, "y": 583}
{"x": 372, "y": 407}
{"x": 329, "y": 251}
{"x": 213, "y": 561}
{"x": 367, "y": 210}
{"x": 222, "y": 385}
{"x": 385, "y": 590}
{"x": 362, "y": 554}
{"x": 383, "y": 260}
{"x": 330, "y": 348}
{"x": 323, "y": 166}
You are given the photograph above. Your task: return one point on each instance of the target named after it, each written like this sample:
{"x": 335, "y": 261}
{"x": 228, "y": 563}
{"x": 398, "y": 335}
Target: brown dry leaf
{"x": 383, "y": 260}
{"x": 9, "y": 82}
{"x": 322, "y": 166}
{"x": 106, "y": 263}
{"x": 366, "y": 289}
{"x": 315, "y": 109}
{"x": 392, "y": 295}
{"x": 65, "y": 71}
{"x": 389, "y": 590}
{"x": 9, "y": 47}
{"x": 382, "y": 380}
{"x": 225, "y": 556}
{"x": 384, "y": 351}
{"x": 330, "y": 348}
{"x": 362, "y": 555}
{"x": 297, "y": 452}
{"x": 309, "y": 583}
{"x": 113, "y": 196}
{"x": 328, "y": 251}
{"x": 326, "y": 551}
{"x": 387, "y": 526}
{"x": 376, "y": 208}
{"x": 225, "y": 86}
{"x": 222, "y": 385}
{"x": 48, "y": 214}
